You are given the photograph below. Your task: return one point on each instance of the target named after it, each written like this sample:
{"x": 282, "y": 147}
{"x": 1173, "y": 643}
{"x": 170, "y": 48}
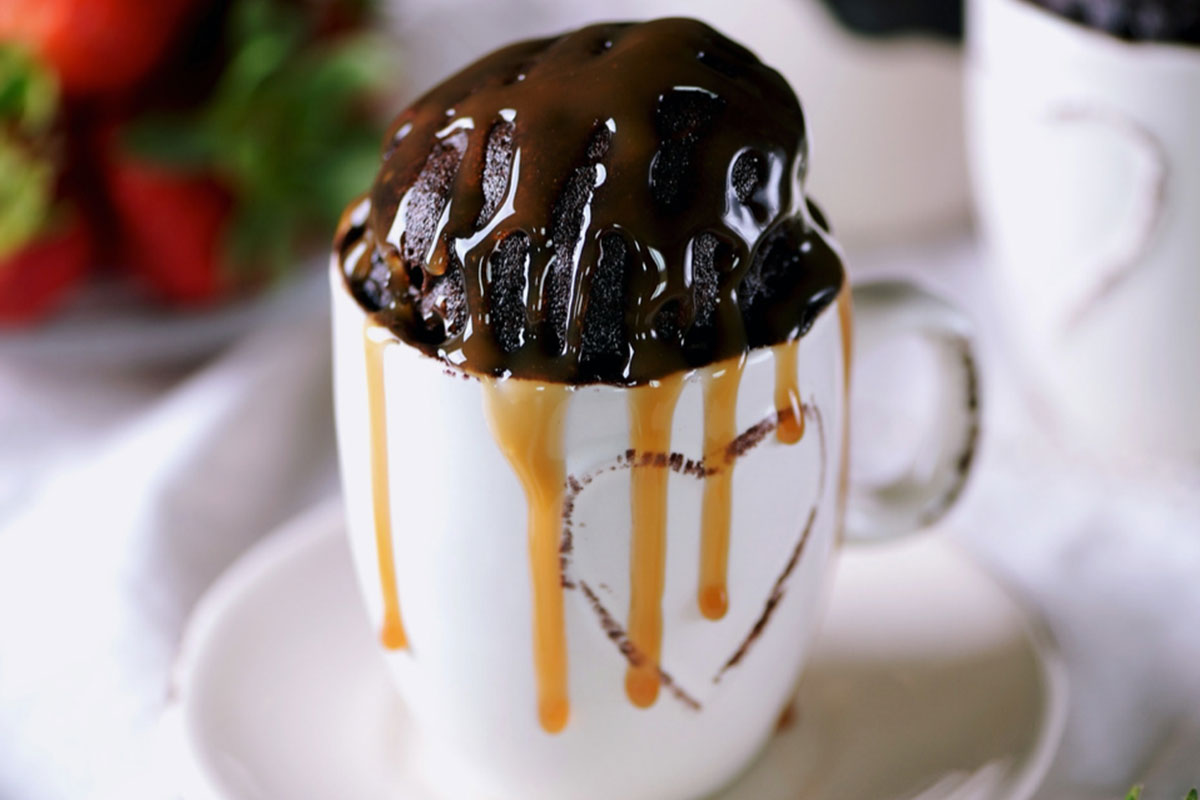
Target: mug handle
{"x": 884, "y": 310}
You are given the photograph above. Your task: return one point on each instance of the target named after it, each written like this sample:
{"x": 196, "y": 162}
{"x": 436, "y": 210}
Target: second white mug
{"x": 1086, "y": 163}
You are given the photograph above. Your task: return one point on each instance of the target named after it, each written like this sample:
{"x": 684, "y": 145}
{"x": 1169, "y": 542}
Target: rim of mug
{"x": 1188, "y": 54}
{"x": 690, "y": 375}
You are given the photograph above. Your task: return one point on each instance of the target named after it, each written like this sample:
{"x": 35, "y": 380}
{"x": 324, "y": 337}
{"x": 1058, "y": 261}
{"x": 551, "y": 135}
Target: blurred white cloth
{"x": 121, "y": 498}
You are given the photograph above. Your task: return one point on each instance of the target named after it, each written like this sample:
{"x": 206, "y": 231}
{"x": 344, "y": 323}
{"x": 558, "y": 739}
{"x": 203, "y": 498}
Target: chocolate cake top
{"x": 615, "y": 204}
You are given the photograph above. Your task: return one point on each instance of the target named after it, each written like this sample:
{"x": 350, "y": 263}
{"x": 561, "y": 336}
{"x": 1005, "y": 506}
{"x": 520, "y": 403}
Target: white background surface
{"x": 122, "y": 495}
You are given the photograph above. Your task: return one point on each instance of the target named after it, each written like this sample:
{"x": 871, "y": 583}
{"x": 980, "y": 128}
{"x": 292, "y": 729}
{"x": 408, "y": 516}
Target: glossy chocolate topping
{"x": 615, "y": 204}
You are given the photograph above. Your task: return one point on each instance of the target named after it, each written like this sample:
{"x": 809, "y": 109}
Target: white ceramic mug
{"x": 461, "y": 564}
{"x": 1085, "y": 154}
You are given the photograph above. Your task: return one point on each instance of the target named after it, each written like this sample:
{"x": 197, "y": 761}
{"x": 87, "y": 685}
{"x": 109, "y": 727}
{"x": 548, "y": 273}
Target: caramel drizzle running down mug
{"x": 566, "y": 579}
{"x": 592, "y": 357}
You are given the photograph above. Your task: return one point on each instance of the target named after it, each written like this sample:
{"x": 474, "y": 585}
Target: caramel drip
{"x": 846, "y": 323}
{"x": 526, "y": 419}
{"x": 651, "y": 412}
{"x": 392, "y": 632}
{"x": 721, "y": 384}
{"x": 787, "y": 393}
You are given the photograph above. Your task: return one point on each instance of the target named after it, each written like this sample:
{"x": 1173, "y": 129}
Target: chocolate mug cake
{"x": 619, "y": 205}
{"x": 592, "y": 351}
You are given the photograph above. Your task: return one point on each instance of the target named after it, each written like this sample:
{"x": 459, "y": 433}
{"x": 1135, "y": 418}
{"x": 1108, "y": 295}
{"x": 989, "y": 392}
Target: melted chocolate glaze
{"x": 615, "y": 204}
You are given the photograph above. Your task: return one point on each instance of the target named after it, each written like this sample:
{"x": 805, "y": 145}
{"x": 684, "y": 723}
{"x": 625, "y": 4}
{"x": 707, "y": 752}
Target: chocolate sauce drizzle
{"x": 613, "y": 205}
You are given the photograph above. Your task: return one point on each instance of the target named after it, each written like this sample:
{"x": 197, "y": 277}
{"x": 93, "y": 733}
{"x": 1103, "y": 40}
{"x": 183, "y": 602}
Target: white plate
{"x": 110, "y": 327}
{"x": 928, "y": 681}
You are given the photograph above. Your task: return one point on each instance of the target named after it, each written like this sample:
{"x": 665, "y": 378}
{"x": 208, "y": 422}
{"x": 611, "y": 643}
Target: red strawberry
{"x": 94, "y": 45}
{"x": 174, "y": 227}
{"x": 41, "y": 274}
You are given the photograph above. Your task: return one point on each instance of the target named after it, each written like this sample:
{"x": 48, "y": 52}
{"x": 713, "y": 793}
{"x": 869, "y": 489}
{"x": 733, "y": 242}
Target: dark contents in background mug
{"x": 1136, "y": 20}
{"x": 884, "y": 17}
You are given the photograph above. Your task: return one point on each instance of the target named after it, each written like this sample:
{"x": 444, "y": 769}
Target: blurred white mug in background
{"x": 885, "y": 113}
{"x": 1085, "y": 153}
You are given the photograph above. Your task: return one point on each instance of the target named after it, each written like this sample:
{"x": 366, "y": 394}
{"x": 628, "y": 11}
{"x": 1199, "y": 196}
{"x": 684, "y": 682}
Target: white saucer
{"x": 929, "y": 681}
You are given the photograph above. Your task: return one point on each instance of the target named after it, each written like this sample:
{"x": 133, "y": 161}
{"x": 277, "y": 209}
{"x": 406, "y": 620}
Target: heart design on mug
{"x": 1136, "y": 163}
{"x": 595, "y": 561}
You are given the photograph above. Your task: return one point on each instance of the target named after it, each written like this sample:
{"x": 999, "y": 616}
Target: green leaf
{"x": 28, "y": 92}
{"x": 1136, "y": 792}
{"x": 348, "y": 174}
{"x": 26, "y": 195}
{"x": 287, "y": 128}
{"x": 28, "y": 107}
{"x": 172, "y": 141}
